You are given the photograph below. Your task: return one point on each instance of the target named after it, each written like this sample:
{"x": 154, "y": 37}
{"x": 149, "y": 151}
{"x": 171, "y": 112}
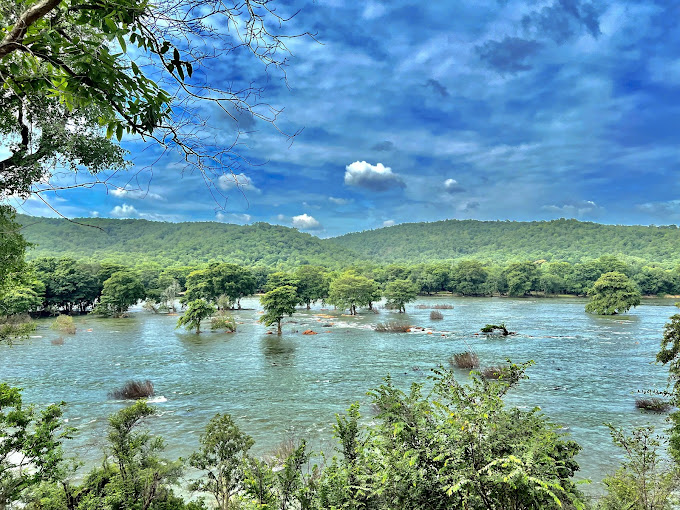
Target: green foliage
{"x": 223, "y": 321}
{"x": 277, "y": 303}
{"x": 230, "y": 282}
{"x": 400, "y": 292}
{"x": 27, "y": 437}
{"x": 492, "y": 328}
{"x": 613, "y": 293}
{"x": 521, "y": 278}
{"x": 645, "y": 480}
{"x": 312, "y": 284}
{"x": 350, "y": 290}
{"x": 122, "y": 290}
{"x": 459, "y": 447}
{"x": 64, "y": 324}
{"x": 222, "y": 459}
{"x": 468, "y": 278}
{"x": 196, "y": 312}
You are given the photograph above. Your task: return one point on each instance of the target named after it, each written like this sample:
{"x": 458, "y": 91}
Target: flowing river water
{"x": 587, "y": 369}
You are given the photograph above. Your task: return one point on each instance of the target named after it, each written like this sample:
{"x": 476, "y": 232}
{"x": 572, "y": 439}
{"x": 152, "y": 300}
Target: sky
{"x": 424, "y": 111}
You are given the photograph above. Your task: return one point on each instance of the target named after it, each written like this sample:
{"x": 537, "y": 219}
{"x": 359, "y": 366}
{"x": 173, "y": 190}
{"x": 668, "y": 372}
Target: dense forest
{"x": 131, "y": 241}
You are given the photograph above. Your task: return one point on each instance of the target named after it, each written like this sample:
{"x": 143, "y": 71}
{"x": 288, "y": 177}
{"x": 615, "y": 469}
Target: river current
{"x": 587, "y": 369}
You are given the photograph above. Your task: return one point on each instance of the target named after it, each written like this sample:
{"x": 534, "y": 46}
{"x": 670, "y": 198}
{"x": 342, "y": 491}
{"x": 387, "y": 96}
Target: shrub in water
{"x": 392, "y": 327}
{"x": 467, "y": 360}
{"x": 64, "y": 324}
{"x": 58, "y": 341}
{"x": 133, "y": 390}
{"x": 493, "y": 328}
{"x": 658, "y": 405}
{"x": 443, "y": 307}
{"x": 435, "y": 315}
{"x": 223, "y": 321}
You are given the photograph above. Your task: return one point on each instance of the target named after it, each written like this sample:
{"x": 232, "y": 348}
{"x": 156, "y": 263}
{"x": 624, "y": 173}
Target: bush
{"x": 58, "y": 341}
{"x": 64, "y": 324}
{"x": 467, "y": 360}
{"x": 223, "y": 321}
{"x": 493, "y": 328}
{"x": 655, "y": 404}
{"x": 443, "y": 307}
{"x": 392, "y": 327}
{"x": 435, "y": 315}
{"x": 133, "y": 390}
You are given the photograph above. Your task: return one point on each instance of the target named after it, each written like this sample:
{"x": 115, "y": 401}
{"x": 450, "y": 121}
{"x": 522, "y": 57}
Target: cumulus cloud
{"x": 574, "y": 209}
{"x": 306, "y": 222}
{"x": 340, "y": 201}
{"x": 135, "y": 194}
{"x": 94, "y": 214}
{"x": 227, "y": 182}
{"x": 388, "y": 223}
{"x": 452, "y": 186}
{"x": 124, "y": 211}
{"x": 372, "y": 177}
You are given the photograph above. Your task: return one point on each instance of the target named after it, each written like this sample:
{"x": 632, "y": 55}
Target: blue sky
{"x": 422, "y": 111}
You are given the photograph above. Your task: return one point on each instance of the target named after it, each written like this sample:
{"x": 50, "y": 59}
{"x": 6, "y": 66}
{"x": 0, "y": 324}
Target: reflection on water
{"x": 587, "y": 369}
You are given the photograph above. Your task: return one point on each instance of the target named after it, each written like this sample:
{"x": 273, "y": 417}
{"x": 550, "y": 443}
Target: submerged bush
{"x": 656, "y": 404}
{"x": 443, "y": 307}
{"x": 435, "y": 315}
{"x": 392, "y": 327}
{"x": 133, "y": 390}
{"x": 64, "y": 324}
{"x": 223, "y": 321}
{"x": 465, "y": 360}
{"x": 493, "y": 328}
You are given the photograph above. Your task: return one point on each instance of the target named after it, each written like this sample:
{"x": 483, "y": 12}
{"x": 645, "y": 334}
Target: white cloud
{"x": 241, "y": 181}
{"x": 306, "y": 222}
{"x": 574, "y": 209}
{"x": 373, "y": 177}
{"x": 124, "y": 211}
{"x": 388, "y": 223}
{"x": 233, "y": 217}
{"x": 452, "y": 186}
{"x": 94, "y": 214}
{"x": 340, "y": 201}
{"x": 669, "y": 208}
{"x": 135, "y": 194}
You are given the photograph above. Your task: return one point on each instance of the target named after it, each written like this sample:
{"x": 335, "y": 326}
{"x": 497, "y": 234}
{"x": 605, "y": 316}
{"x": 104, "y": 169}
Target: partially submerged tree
{"x": 197, "y": 311}
{"x": 400, "y": 292}
{"x": 613, "y": 293}
{"x": 350, "y": 290}
{"x": 277, "y": 303}
{"x": 122, "y": 290}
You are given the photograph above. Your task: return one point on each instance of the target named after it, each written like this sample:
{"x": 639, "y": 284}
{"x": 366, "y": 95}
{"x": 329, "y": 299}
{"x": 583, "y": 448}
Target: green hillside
{"x": 132, "y": 241}
{"x": 502, "y": 241}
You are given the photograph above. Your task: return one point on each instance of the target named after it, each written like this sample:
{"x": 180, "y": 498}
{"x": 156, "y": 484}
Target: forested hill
{"x": 503, "y": 241}
{"x": 134, "y": 241}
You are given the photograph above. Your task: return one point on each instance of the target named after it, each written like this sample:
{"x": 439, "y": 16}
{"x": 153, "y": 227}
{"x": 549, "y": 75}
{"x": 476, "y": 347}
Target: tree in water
{"x": 277, "y": 303}
{"x": 196, "y": 312}
{"x": 613, "y": 293}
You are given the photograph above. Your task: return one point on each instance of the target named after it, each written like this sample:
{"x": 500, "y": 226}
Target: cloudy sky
{"x": 422, "y": 111}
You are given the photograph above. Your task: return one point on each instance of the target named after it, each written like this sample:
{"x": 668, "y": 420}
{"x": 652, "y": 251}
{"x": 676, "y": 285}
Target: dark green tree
{"x": 312, "y": 284}
{"x": 120, "y": 292}
{"x": 350, "y": 290}
{"x": 613, "y": 293}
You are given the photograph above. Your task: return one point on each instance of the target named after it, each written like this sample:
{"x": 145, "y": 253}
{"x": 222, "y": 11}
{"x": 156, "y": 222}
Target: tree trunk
{"x": 278, "y": 324}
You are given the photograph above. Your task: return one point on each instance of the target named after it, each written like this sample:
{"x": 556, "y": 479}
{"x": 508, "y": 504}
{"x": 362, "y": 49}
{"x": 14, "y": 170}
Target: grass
{"x": 133, "y": 390}
{"x": 64, "y": 324}
{"x": 436, "y": 315}
{"x": 468, "y": 360}
{"x": 392, "y": 327}
{"x": 655, "y": 404}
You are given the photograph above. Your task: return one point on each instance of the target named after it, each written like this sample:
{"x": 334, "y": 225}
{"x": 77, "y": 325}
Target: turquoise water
{"x": 586, "y": 373}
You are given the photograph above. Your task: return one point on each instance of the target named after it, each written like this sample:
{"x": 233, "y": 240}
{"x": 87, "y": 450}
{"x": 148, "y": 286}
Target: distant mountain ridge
{"x": 133, "y": 240}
